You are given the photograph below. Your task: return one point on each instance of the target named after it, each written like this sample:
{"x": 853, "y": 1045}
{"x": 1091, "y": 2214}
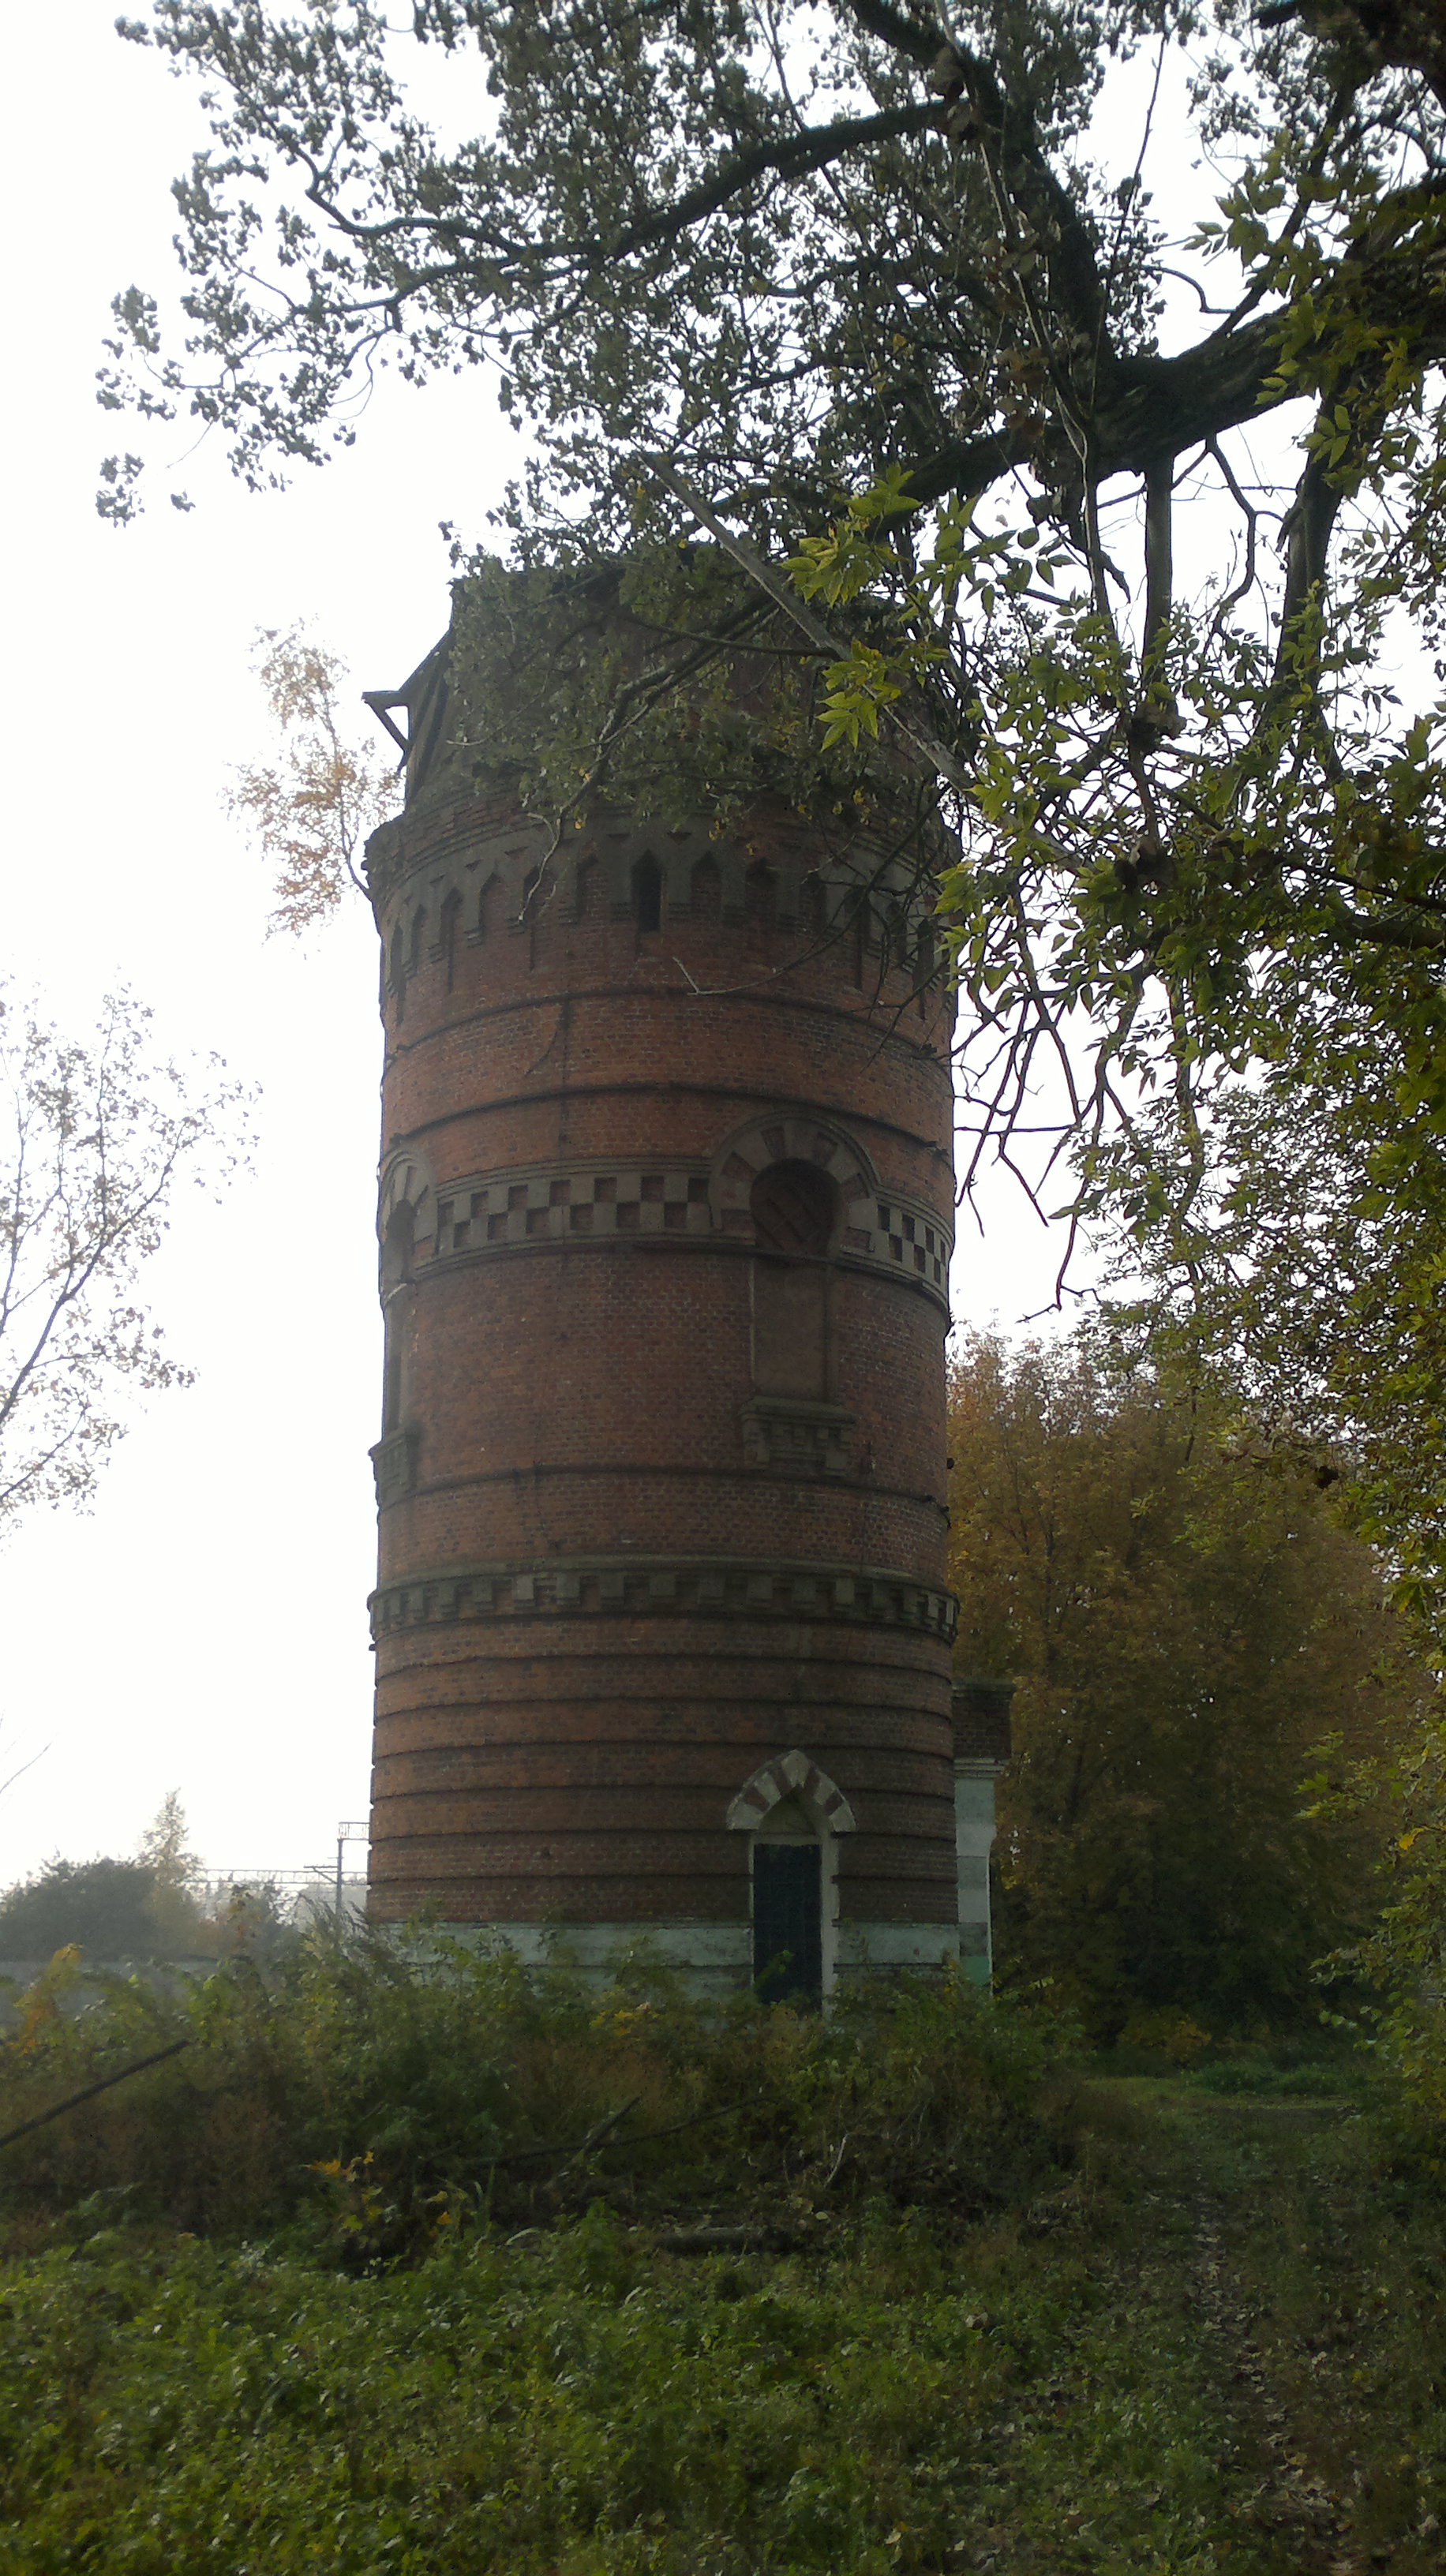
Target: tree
{"x": 173, "y": 1868}
{"x": 148, "y": 1907}
{"x": 101, "y": 1906}
{"x": 1189, "y": 1628}
{"x": 1113, "y": 524}
{"x": 142, "y": 1908}
{"x": 880, "y": 299}
{"x": 312, "y": 809}
{"x": 98, "y": 1138}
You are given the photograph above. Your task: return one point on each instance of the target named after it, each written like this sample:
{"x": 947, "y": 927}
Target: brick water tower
{"x": 663, "y": 1635}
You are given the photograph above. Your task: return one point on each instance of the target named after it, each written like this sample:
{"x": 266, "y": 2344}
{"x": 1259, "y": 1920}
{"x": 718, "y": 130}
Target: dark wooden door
{"x": 788, "y": 1920}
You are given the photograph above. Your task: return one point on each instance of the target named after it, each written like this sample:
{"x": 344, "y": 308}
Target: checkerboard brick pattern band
{"x": 661, "y": 1489}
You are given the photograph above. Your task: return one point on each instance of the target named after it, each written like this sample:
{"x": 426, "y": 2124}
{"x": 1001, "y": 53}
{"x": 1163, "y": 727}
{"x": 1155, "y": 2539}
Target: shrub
{"x": 391, "y": 2086}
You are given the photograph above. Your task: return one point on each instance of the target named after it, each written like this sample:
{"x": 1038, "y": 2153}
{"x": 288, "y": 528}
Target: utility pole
{"x": 346, "y": 1834}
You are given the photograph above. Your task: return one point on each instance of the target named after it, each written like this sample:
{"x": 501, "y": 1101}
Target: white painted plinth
{"x": 713, "y": 1958}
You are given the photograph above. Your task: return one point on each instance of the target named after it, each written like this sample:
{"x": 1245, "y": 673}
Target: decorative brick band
{"x": 708, "y": 1587}
{"x": 454, "y": 853}
{"x": 808, "y": 1439}
{"x": 585, "y": 1202}
{"x": 558, "y": 1202}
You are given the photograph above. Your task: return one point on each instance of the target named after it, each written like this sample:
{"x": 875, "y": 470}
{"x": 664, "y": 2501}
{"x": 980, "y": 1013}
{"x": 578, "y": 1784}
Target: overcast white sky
{"x": 204, "y": 1628}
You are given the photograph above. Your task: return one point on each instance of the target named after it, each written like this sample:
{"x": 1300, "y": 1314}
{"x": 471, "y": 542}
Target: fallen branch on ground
{"x": 573, "y": 2149}
{"x": 88, "y": 2092}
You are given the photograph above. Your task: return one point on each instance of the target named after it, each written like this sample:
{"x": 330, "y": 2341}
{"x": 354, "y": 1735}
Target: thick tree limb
{"x": 1409, "y": 35}
{"x": 785, "y": 157}
{"x": 788, "y": 157}
{"x": 1159, "y": 558}
{"x": 1307, "y": 535}
{"x": 920, "y": 42}
{"x": 994, "y": 119}
{"x": 1151, "y": 408}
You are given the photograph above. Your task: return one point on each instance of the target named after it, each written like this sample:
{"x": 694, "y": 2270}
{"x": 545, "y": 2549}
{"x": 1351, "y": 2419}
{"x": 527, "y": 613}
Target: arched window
{"x": 419, "y": 931}
{"x": 397, "y": 1245}
{"x": 924, "y": 965}
{"x": 707, "y": 890}
{"x": 589, "y": 882}
{"x": 538, "y": 890}
{"x": 489, "y": 908}
{"x": 648, "y": 893}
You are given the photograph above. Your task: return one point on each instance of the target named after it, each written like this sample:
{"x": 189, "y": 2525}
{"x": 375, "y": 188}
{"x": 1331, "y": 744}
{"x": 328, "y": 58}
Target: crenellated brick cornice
{"x": 691, "y": 1587}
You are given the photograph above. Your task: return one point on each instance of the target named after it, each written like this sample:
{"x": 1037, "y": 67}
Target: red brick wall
{"x": 581, "y": 1397}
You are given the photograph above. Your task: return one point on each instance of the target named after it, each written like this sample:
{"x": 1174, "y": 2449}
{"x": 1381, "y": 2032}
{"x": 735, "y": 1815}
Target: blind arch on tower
{"x": 449, "y": 931}
{"x": 786, "y": 1137}
{"x": 398, "y": 1258}
{"x": 795, "y": 1209}
{"x": 647, "y": 892}
{"x": 407, "y": 1180}
{"x": 788, "y": 1184}
{"x": 406, "y": 1212}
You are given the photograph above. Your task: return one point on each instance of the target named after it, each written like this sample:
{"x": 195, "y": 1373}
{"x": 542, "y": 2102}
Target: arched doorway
{"x": 786, "y": 1860}
{"x": 793, "y": 1815}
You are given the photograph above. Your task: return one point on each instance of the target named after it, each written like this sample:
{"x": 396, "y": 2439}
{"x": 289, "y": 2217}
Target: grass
{"x": 1015, "y": 2324}
{"x": 583, "y": 2404}
{"x": 1336, "y": 2253}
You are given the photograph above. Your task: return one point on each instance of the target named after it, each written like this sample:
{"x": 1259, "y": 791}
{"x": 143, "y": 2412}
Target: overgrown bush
{"x": 387, "y": 2087}
{"x": 1192, "y": 1633}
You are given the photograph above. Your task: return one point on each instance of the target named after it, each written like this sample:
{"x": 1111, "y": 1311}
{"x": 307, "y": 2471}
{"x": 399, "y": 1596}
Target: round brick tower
{"x": 663, "y": 1635}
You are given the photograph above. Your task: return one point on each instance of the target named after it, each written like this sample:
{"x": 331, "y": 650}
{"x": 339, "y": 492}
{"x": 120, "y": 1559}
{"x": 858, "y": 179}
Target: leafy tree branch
{"x": 97, "y": 1138}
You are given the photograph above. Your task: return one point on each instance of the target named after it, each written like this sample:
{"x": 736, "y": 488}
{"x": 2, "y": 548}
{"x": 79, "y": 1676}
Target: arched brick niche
{"x": 785, "y": 1137}
{"x": 406, "y": 1182}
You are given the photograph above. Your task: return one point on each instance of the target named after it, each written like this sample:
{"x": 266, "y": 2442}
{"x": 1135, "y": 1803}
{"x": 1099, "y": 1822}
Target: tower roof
{"x": 665, "y": 683}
